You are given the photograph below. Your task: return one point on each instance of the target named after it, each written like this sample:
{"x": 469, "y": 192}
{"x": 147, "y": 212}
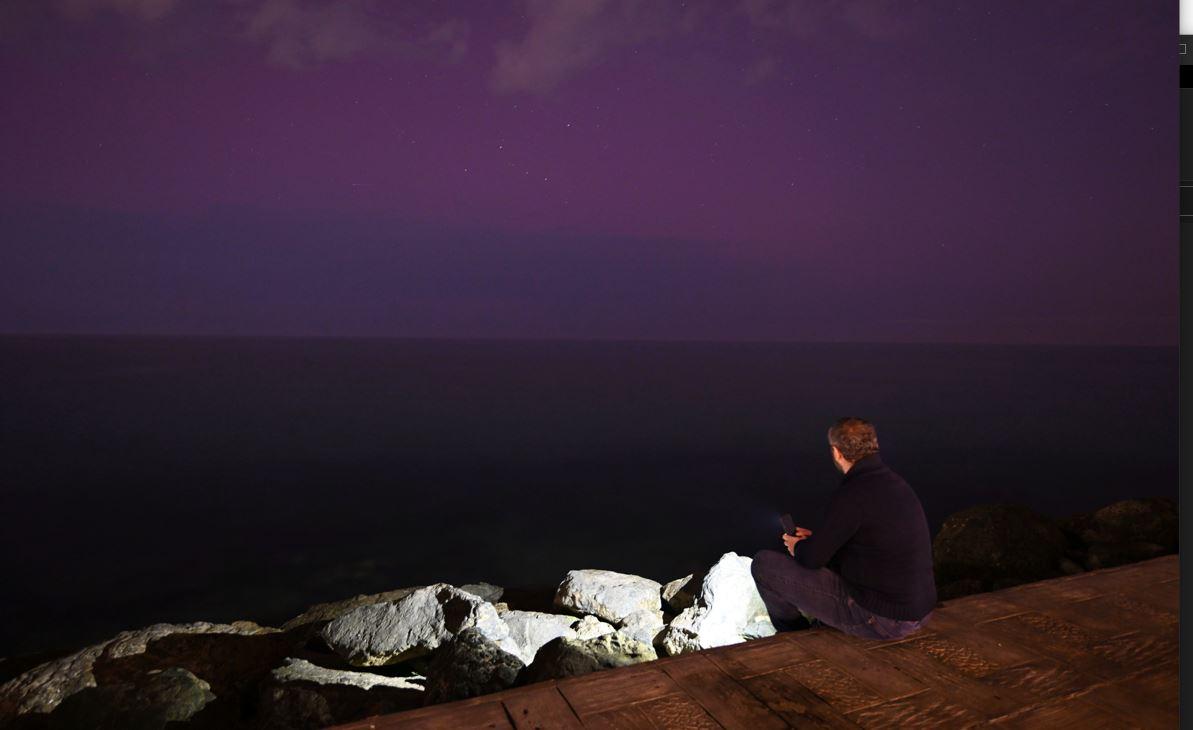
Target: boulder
{"x": 998, "y": 543}
{"x": 1124, "y": 532}
{"x": 591, "y": 627}
{"x": 644, "y": 626}
{"x": 608, "y": 595}
{"x": 728, "y": 610}
{"x": 564, "y": 657}
{"x": 303, "y": 695}
{"x": 471, "y": 665}
{"x": 323, "y": 612}
{"x": 301, "y": 670}
{"x": 159, "y": 697}
{"x": 681, "y": 593}
{"x": 486, "y": 591}
{"x": 43, "y": 687}
{"x": 394, "y": 631}
{"x": 530, "y": 629}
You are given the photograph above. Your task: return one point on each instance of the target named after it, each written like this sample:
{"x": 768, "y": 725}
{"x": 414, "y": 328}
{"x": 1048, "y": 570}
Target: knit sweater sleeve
{"x": 841, "y": 521}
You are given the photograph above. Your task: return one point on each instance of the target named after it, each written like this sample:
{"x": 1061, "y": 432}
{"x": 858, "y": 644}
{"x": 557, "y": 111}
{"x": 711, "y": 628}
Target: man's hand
{"x": 801, "y": 533}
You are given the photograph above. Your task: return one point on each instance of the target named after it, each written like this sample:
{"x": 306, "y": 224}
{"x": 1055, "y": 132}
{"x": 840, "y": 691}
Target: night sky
{"x": 763, "y": 169}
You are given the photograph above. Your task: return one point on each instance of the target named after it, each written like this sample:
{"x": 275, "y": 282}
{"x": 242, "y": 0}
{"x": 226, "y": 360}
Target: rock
{"x": 1068, "y": 567}
{"x": 43, "y": 687}
{"x": 607, "y": 595}
{"x": 301, "y": 670}
{"x": 486, "y": 591}
{"x": 530, "y": 629}
{"x": 1108, "y": 555}
{"x": 728, "y": 610}
{"x": 471, "y": 665}
{"x": 303, "y": 695}
{"x": 564, "y": 657}
{"x": 322, "y": 612}
{"x": 160, "y": 697}
{"x": 1124, "y": 532}
{"x": 682, "y": 635}
{"x": 502, "y": 608}
{"x": 591, "y": 627}
{"x": 394, "y": 631}
{"x": 644, "y": 626}
{"x": 681, "y": 593}
{"x": 997, "y": 543}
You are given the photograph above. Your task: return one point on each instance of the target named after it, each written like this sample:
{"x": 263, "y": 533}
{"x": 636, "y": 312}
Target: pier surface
{"x": 1093, "y": 650}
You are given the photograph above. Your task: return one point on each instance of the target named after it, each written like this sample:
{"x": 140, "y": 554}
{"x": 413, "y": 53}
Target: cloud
{"x": 453, "y": 35}
{"x": 144, "y": 9}
{"x": 295, "y": 33}
{"x": 870, "y": 18}
{"x": 566, "y": 36}
{"x": 298, "y": 34}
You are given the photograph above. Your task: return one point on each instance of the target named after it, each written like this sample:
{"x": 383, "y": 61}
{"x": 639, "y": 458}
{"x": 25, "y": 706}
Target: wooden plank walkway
{"x": 1092, "y": 650}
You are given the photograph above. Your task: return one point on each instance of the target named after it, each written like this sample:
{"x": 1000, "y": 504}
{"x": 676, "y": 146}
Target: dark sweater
{"x": 875, "y": 536}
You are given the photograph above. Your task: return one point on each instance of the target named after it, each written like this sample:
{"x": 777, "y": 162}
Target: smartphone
{"x": 788, "y": 524}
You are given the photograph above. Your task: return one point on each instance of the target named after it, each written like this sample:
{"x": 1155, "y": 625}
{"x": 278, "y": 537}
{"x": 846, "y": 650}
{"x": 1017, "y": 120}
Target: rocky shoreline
{"x": 412, "y": 646}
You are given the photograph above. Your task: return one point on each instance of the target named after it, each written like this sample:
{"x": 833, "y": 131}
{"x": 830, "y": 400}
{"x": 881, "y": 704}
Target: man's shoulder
{"x": 878, "y": 478}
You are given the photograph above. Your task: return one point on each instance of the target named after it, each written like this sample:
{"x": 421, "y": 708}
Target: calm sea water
{"x": 158, "y": 479}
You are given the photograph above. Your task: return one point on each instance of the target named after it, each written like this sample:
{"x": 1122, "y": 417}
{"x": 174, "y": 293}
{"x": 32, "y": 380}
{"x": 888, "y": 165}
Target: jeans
{"x": 790, "y": 590}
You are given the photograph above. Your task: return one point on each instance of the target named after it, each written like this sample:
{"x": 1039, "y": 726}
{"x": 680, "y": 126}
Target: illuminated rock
{"x": 531, "y": 629}
{"x": 591, "y": 627}
{"x": 413, "y": 626}
{"x": 728, "y": 610}
{"x": 607, "y": 595}
{"x": 300, "y": 694}
{"x": 681, "y": 593}
{"x": 644, "y": 626}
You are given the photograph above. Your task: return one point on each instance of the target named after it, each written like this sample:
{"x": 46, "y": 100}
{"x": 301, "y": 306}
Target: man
{"x": 867, "y": 570}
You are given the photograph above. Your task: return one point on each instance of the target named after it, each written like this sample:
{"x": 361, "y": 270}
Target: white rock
{"x": 590, "y": 627}
{"x": 393, "y": 631}
{"x": 727, "y": 611}
{"x": 487, "y": 591}
{"x": 531, "y": 629}
{"x": 644, "y": 626}
{"x": 681, "y": 592}
{"x": 607, "y": 595}
{"x": 300, "y": 670}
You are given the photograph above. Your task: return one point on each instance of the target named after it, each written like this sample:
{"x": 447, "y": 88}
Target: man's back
{"x": 875, "y": 535}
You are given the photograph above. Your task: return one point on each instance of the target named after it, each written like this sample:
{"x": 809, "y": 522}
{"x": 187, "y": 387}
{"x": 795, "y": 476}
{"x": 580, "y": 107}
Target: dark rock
{"x": 1124, "y": 532}
{"x": 471, "y": 665}
{"x": 1003, "y": 543}
{"x": 159, "y": 697}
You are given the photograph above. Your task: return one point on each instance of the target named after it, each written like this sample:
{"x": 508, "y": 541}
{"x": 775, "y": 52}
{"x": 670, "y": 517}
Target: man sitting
{"x": 867, "y": 570}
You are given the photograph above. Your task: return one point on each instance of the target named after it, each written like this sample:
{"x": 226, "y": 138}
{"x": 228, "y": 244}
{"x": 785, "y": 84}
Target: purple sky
{"x": 731, "y": 169}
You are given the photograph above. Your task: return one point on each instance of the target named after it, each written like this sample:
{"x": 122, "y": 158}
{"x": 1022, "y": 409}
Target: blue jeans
{"x": 789, "y": 589}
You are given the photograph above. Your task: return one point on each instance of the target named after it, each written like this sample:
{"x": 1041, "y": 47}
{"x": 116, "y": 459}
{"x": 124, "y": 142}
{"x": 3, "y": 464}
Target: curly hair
{"x": 853, "y": 437}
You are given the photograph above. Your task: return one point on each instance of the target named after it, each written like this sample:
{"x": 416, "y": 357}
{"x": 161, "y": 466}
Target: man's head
{"x": 850, "y": 439}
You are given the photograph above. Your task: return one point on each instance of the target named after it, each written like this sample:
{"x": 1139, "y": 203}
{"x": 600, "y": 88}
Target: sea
{"x": 147, "y": 479}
